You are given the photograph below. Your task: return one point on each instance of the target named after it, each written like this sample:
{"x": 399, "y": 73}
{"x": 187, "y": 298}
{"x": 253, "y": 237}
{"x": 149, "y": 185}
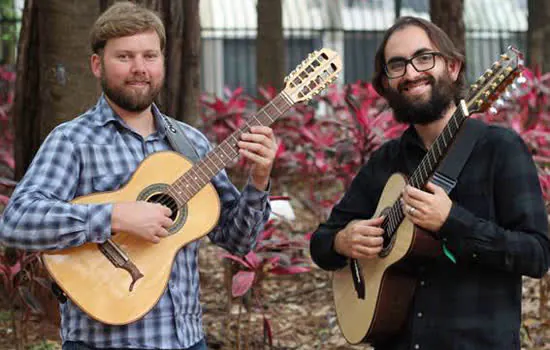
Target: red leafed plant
{"x": 277, "y": 252}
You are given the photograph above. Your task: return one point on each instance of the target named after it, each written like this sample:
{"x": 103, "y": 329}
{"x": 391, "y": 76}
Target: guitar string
{"x": 166, "y": 199}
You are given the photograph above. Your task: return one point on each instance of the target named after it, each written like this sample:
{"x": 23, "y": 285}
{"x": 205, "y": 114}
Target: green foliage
{"x": 44, "y": 345}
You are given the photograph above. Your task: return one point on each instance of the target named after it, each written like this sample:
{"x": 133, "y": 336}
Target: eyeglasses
{"x": 421, "y": 63}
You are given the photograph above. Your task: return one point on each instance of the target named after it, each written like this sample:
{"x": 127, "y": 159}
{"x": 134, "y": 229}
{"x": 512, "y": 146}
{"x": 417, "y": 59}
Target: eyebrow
{"x": 417, "y": 52}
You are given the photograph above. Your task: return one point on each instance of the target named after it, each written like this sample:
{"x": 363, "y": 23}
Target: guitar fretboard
{"x": 185, "y": 187}
{"x": 426, "y": 168}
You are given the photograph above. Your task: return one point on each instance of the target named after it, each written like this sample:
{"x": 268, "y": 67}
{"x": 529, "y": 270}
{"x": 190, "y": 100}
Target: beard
{"x": 409, "y": 111}
{"x": 129, "y": 99}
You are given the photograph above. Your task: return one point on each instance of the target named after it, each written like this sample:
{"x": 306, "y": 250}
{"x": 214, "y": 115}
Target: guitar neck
{"x": 427, "y": 166}
{"x": 437, "y": 151}
{"x": 203, "y": 171}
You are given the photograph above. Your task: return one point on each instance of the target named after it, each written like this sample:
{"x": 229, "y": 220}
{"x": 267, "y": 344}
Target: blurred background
{"x": 225, "y": 60}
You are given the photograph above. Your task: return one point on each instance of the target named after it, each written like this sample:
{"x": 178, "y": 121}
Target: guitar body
{"x": 389, "y": 287}
{"x": 100, "y": 289}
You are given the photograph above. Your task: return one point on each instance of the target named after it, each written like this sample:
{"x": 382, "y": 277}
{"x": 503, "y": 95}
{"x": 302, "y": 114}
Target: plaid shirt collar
{"x": 105, "y": 115}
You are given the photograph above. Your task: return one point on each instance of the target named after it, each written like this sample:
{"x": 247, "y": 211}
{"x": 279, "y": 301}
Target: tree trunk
{"x": 54, "y": 81}
{"x": 270, "y": 49}
{"x": 190, "y": 73}
{"x": 538, "y": 51}
{"x": 449, "y": 16}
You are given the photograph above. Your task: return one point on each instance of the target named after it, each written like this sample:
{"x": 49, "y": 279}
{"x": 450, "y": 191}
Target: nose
{"x": 410, "y": 72}
{"x": 138, "y": 64}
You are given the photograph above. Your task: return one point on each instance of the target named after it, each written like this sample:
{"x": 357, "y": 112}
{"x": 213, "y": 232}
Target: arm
{"x": 242, "y": 216}
{"x": 359, "y": 202}
{"x": 39, "y": 215}
{"x": 517, "y": 242}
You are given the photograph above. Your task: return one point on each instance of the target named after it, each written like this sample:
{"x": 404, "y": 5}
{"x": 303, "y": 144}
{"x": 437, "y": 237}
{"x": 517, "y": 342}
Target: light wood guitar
{"x": 119, "y": 281}
{"x": 372, "y": 297}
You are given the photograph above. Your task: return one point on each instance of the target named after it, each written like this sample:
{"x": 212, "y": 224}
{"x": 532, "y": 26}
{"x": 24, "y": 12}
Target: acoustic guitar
{"x": 372, "y": 296}
{"x": 119, "y": 281}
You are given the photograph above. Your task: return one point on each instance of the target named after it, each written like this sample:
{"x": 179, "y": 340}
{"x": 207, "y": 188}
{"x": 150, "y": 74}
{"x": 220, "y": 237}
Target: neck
{"x": 429, "y": 132}
{"x": 142, "y": 122}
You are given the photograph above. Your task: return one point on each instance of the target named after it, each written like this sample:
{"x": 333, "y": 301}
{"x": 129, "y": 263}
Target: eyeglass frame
{"x": 410, "y": 60}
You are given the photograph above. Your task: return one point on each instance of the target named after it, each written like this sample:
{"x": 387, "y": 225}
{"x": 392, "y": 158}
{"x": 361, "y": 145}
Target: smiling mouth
{"x": 411, "y": 86}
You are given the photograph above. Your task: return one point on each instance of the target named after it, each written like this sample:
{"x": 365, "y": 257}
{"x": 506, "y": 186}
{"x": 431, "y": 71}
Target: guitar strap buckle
{"x": 444, "y": 181}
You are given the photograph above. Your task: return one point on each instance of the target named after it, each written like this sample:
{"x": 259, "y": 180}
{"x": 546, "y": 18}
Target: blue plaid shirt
{"x": 98, "y": 152}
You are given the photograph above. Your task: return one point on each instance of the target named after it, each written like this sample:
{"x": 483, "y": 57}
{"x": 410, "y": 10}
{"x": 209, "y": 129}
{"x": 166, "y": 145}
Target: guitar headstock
{"x": 313, "y": 75}
{"x": 494, "y": 81}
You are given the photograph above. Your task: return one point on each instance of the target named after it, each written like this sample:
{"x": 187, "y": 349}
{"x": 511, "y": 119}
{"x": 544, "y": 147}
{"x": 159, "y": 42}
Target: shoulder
{"x": 80, "y": 130}
{"x": 502, "y": 138}
{"x": 94, "y": 126}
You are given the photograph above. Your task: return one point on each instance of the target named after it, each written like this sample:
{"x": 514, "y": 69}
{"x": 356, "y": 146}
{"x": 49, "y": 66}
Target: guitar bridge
{"x": 357, "y": 276}
{"x": 119, "y": 259}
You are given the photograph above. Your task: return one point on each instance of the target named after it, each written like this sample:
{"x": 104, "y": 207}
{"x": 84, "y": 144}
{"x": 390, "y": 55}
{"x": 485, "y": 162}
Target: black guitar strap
{"x": 450, "y": 167}
{"x": 178, "y": 140}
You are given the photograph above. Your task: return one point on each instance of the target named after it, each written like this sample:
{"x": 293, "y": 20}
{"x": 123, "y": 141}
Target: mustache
{"x": 406, "y": 83}
{"x": 137, "y": 80}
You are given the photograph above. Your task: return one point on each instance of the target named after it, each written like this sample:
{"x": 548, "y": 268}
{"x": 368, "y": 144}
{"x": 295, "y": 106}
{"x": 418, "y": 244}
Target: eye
{"x": 424, "y": 58}
{"x": 396, "y": 65}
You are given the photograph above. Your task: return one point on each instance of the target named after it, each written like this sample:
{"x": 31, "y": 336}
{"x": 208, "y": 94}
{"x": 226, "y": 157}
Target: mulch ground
{"x": 299, "y": 309}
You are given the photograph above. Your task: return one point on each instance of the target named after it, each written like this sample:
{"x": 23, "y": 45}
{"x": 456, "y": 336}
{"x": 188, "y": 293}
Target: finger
{"x": 153, "y": 239}
{"x": 166, "y": 211}
{"x": 369, "y": 231}
{"x": 433, "y": 188}
{"x": 366, "y": 252}
{"x": 256, "y": 148}
{"x": 411, "y": 193}
{"x": 409, "y": 203}
{"x": 264, "y": 130}
{"x": 375, "y": 221}
{"x": 166, "y": 222}
{"x": 254, "y": 157}
{"x": 369, "y": 241}
{"x": 162, "y": 233}
{"x": 256, "y": 138}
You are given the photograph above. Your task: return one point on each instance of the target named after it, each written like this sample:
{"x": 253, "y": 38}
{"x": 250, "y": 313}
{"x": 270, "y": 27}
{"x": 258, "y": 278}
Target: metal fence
{"x": 354, "y": 28}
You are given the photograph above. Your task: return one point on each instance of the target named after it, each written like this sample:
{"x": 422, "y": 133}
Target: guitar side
{"x": 93, "y": 283}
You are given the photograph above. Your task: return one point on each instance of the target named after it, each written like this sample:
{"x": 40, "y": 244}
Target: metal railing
{"x": 352, "y": 27}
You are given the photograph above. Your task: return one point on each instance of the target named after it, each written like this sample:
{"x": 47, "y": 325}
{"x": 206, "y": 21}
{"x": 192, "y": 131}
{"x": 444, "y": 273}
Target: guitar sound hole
{"x": 167, "y": 201}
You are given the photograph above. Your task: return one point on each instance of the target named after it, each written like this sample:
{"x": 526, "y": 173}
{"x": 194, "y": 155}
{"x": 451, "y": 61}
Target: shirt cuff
{"x": 455, "y": 229}
{"x": 255, "y": 198}
{"x": 99, "y": 229}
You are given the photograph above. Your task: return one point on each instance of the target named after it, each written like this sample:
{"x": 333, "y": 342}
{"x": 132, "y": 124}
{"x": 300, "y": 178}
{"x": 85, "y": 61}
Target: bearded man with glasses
{"x": 493, "y": 223}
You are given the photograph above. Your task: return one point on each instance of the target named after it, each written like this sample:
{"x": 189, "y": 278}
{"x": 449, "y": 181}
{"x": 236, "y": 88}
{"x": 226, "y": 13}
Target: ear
{"x": 95, "y": 64}
{"x": 453, "y": 67}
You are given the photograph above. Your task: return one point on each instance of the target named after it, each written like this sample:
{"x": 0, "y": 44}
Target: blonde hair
{"x": 123, "y": 19}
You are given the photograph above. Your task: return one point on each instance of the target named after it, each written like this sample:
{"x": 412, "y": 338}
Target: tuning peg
{"x": 521, "y": 79}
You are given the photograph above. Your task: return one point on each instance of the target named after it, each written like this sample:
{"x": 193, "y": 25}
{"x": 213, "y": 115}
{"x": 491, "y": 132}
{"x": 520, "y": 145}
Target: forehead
{"x": 144, "y": 41}
{"x": 407, "y": 41}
